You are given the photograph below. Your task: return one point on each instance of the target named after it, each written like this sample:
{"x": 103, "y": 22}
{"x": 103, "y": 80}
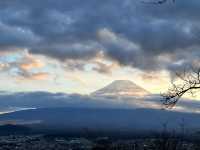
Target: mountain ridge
{"x": 105, "y": 119}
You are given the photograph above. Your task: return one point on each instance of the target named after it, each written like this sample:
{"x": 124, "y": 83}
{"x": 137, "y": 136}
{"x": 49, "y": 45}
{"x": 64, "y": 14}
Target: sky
{"x": 76, "y": 46}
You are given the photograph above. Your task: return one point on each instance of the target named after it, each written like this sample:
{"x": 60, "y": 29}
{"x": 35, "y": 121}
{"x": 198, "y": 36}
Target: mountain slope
{"x": 105, "y": 119}
{"x": 121, "y": 88}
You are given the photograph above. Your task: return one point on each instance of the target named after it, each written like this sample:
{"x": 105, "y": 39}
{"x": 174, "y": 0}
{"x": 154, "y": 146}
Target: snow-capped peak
{"x": 121, "y": 88}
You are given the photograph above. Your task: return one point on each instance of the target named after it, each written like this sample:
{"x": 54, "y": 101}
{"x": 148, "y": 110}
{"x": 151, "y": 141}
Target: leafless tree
{"x": 187, "y": 82}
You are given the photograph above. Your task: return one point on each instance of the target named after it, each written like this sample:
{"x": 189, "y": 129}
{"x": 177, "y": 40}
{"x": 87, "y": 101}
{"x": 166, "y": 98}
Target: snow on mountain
{"x": 126, "y": 92}
{"x": 121, "y": 88}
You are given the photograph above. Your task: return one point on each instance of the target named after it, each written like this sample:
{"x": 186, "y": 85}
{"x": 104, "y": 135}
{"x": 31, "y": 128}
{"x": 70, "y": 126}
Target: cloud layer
{"x": 15, "y": 101}
{"x": 128, "y": 32}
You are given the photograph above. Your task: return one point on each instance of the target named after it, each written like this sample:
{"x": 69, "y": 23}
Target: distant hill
{"x": 25, "y": 100}
{"x": 105, "y": 119}
{"x": 14, "y": 129}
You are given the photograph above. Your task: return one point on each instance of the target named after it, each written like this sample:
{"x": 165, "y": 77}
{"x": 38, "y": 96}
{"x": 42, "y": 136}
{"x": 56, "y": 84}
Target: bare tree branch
{"x": 190, "y": 83}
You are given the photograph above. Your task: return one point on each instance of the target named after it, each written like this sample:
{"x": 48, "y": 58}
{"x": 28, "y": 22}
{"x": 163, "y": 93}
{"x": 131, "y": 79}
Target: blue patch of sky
{"x": 11, "y": 57}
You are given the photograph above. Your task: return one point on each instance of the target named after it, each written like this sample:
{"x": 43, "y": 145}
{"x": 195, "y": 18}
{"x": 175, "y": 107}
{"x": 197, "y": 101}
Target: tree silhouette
{"x": 157, "y": 1}
{"x": 187, "y": 82}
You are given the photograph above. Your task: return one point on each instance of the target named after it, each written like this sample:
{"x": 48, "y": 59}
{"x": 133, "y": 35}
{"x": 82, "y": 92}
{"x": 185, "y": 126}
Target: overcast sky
{"x": 81, "y": 45}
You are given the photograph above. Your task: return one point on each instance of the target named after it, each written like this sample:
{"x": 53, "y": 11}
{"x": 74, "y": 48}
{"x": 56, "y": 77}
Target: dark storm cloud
{"x": 134, "y": 33}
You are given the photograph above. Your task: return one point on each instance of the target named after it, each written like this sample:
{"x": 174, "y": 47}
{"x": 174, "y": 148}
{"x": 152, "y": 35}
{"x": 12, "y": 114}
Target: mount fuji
{"x": 123, "y": 88}
{"x": 127, "y": 93}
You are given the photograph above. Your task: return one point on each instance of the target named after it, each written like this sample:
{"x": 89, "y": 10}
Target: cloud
{"x": 34, "y": 76}
{"x": 129, "y": 32}
{"x": 38, "y": 99}
{"x": 45, "y": 99}
{"x": 100, "y": 63}
{"x": 105, "y": 68}
{"x": 29, "y": 62}
{"x": 23, "y": 66}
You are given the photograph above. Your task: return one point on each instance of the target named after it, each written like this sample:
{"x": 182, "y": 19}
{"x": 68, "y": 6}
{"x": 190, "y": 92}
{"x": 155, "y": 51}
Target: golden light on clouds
{"x": 85, "y": 77}
{"x": 156, "y": 82}
{"x": 33, "y": 76}
{"x": 76, "y": 79}
{"x": 40, "y": 76}
{"x": 31, "y": 62}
